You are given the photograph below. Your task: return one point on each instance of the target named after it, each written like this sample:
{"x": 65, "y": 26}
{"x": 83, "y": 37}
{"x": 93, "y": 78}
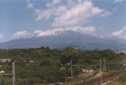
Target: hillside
{"x": 63, "y": 40}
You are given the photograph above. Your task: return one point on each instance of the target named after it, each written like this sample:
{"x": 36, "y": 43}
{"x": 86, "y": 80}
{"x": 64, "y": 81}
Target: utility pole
{"x": 124, "y": 63}
{"x": 100, "y": 66}
{"x": 13, "y": 72}
{"x": 100, "y": 70}
{"x": 71, "y": 68}
{"x": 2, "y": 80}
{"x": 71, "y": 71}
{"x": 104, "y": 68}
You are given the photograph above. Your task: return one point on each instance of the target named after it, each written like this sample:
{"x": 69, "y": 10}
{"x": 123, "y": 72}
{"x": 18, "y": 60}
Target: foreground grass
{"x": 120, "y": 81}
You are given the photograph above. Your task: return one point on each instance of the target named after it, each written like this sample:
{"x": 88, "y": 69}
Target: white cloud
{"x": 60, "y": 10}
{"x": 90, "y": 30}
{"x": 65, "y": 16}
{"x": 53, "y": 3}
{"x": 79, "y": 1}
{"x": 43, "y": 14}
{"x": 56, "y": 1}
{"x": 106, "y": 13}
{"x": 121, "y": 33}
{"x": 21, "y": 34}
{"x": 29, "y": 5}
{"x": 117, "y": 1}
{"x": 77, "y": 15}
{"x": 1, "y": 36}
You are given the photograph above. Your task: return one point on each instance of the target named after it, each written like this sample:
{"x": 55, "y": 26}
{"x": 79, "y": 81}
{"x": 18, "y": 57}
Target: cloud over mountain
{"x": 77, "y": 14}
{"x": 121, "y": 33}
{"x": 75, "y": 38}
{"x": 1, "y": 36}
{"x": 90, "y": 30}
{"x": 21, "y": 34}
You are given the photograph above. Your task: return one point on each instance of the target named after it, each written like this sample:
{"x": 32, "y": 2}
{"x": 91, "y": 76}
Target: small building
{"x": 87, "y": 70}
{"x": 2, "y": 72}
{"x": 31, "y": 61}
{"x": 121, "y": 51}
{"x": 62, "y": 68}
{"x": 5, "y": 60}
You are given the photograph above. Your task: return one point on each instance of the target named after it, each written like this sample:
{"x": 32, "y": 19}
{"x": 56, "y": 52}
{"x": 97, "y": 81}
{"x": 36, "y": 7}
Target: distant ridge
{"x": 73, "y": 39}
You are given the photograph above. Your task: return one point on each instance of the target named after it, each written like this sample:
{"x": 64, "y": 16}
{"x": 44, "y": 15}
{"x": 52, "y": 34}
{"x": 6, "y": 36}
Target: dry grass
{"x": 117, "y": 83}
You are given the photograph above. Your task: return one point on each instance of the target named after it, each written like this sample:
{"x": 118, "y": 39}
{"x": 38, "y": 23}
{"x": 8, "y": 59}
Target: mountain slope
{"x": 73, "y": 39}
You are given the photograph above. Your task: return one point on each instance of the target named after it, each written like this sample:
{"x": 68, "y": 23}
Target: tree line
{"x": 45, "y": 65}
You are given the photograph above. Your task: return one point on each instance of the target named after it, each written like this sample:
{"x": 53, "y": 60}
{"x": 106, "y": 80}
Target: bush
{"x": 122, "y": 79}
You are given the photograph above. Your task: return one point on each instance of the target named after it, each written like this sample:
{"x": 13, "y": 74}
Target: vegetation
{"x": 122, "y": 79}
{"x": 45, "y": 65}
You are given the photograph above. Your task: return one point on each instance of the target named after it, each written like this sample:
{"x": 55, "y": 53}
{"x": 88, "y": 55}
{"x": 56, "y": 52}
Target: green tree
{"x": 69, "y": 54}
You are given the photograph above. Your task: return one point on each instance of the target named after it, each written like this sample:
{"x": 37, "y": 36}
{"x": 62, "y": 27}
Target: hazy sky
{"x": 25, "y": 18}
